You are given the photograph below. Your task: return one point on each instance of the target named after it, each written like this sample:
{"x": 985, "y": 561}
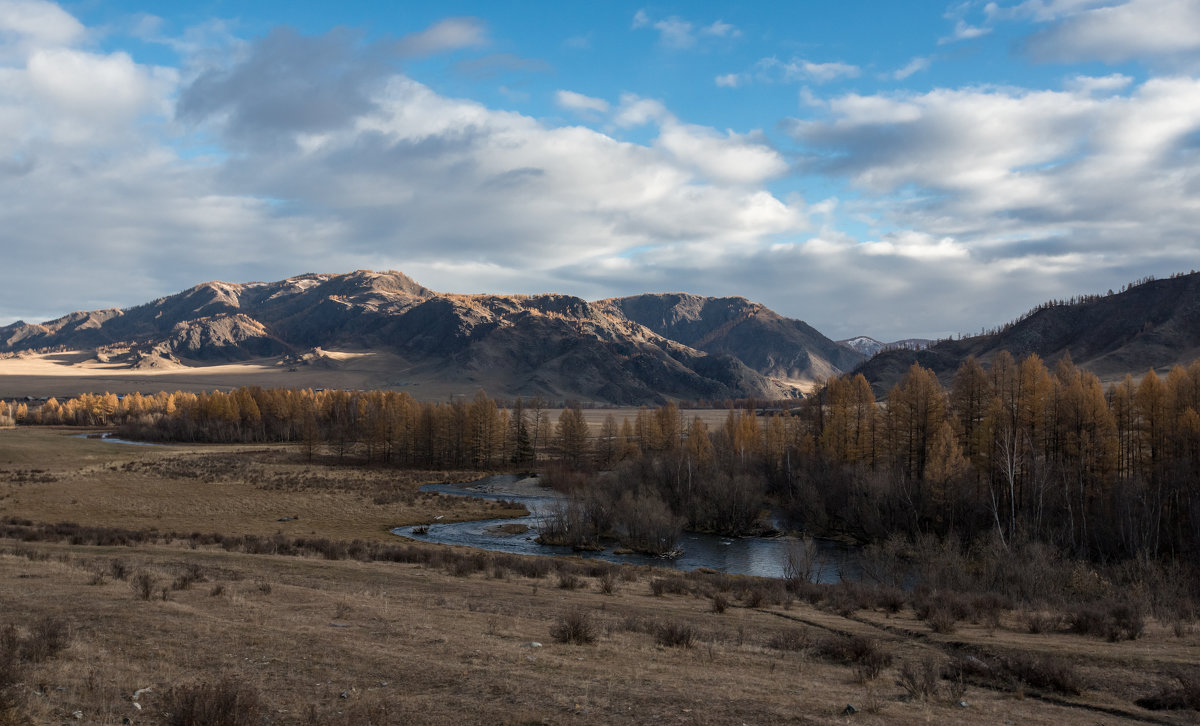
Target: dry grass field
{"x": 176, "y": 629}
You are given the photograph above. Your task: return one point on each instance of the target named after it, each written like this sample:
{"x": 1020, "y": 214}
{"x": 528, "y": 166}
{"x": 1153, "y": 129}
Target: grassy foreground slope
{"x": 443, "y": 636}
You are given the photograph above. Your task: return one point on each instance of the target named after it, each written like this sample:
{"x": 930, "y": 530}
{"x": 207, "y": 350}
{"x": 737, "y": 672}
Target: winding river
{"x": 762, "y": 556}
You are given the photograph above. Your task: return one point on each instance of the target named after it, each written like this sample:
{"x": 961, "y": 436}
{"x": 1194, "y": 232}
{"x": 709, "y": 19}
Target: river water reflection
{"x": 762, "y": 556}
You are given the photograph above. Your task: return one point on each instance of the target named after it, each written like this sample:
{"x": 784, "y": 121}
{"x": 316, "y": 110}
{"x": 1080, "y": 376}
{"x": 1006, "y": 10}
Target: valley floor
{"x": 444, "y": 636}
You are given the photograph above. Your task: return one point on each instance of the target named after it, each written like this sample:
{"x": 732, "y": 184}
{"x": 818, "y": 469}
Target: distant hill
{"x": 613, "y": 351}
{"x": 1155, "y": 324}
{"x": 868, "y": 346}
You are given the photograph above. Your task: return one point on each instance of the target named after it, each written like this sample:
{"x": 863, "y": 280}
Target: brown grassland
{"x": 158, "y": 631}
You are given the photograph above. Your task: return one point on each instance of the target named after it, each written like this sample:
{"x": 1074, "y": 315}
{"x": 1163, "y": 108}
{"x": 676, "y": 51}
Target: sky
{"x": 916, "y": 169}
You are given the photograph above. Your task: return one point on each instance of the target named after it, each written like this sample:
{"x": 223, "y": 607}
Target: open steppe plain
{"x": 285, "y": 635}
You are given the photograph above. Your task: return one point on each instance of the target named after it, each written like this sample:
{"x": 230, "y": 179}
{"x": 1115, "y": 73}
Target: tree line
{"x": 1013, "y": 451}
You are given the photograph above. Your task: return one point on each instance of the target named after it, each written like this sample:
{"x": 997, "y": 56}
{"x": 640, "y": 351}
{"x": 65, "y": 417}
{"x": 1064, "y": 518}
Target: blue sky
{"x": 881, "y": 168}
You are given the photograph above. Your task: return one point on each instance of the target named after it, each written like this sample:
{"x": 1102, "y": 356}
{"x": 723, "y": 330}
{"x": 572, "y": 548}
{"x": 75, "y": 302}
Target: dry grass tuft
{"x": 228, "y": 702}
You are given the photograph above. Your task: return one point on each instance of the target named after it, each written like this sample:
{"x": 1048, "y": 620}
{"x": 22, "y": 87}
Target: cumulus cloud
{"x": 328, "y": 158}
{"x": 288, "y": 83}
{"x": 1060, "y": 181}
{"x": 1117, "y": 33}
{"x": 34, "y": 23}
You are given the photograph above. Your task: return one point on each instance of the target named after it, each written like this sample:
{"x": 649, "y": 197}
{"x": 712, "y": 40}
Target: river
{"x": 762, "y": 556}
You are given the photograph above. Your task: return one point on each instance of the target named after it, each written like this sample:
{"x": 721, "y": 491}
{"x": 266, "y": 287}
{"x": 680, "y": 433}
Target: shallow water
{"x": 762, "y": 556}
{"x": 114, "y": 440}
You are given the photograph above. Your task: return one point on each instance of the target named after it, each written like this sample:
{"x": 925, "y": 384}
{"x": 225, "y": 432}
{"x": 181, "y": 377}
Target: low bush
{"x": 866, "y": 655}
{"x": 719, "y": 603}
{"x": 675, "y": 634}
{"x": 795, "y": 639}
{"x": 228, "y": 702}
{"x": 1045, "y": 671}
{"x": 569, "y": 581}
{"x": 1184, "y": 694}
{"x": 143, "y": 585}
{"x": 574, "y": 627}
{"x": 920, "y": 680}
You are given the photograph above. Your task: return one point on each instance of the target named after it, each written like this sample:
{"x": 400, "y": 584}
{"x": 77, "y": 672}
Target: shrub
{"x": 229, "y": 702}
{"x": 795, "y": 639}
{"x": 675, "y": 634}
{"x": 941, "y": 620}
{"x": 1041, "y": 623}
{"x": 569, "y": 581}
{"x": 143, "y": 585}
{"x": 47, "y": 637}
{"x": 118, "y": 569}
{"x": 868, "y": 657}
{"x": 719, "y": 602}
{"x": 920, "y": 681}
{"x": 574, "y": 627}
{"x": 608, "y": 582}
{"x": 1046, "y": 671}
{"x": 1184, "y": 694}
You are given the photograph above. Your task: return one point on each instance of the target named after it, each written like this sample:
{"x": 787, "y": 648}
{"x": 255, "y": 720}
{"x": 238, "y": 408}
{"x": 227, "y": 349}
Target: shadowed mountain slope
{"x": 1153, "y": 325}
{"x": 771, "y": 344}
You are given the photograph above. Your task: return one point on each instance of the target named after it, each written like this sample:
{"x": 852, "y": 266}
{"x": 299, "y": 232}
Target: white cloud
{"x": 964, "y": 31}
{"x": 40, "y": 24}
{"x": 637, "y": 111}
{"x": 400, "y": 176}
{"x": 677, "y": 33}
{"x": 800, "y": 69}
{"x": 1099, "y": 84}
{"x": 916, "y": 65}
{"x": 446, "y": 35}
{"x": 729, "y": 158}
{"x": 578, "y": 102}
{"x": 728, "y": 80}
{"x": 916, "y": 245}
{"x": 1115, "y": 33}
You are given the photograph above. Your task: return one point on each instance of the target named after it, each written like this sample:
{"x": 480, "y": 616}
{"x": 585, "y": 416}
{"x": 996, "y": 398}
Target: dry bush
{"x": 608, "y": 582}
{"x": 192, "y": 573}
{"x": 118, "y": 569}
{"x": 574, "y": 627}
{"x": 569, "y": 581}
{"x": 719, "y": 603}
{"x": 1039, "y": 623}
{"x": 48, "y": 636}
{"x": 890, "y": 598}
{"x": 920, "y": 680}
{"x": 1184, "y": 694}
{"x": 660, "y": 586}
{"x": 228, "y": 702}
{"x": 941, "y": 620}
{"x": 866, "y": 655}
{"x": 794, "y": 639}
{"x": 675, "y": 634}
{"x": 143, "y": 585}
{"x": 1045, "y": 671}
{"x": 1113, "y": 621}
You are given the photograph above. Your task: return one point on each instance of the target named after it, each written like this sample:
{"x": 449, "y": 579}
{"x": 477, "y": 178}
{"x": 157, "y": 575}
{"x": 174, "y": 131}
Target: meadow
{"x": 158, "y": 585}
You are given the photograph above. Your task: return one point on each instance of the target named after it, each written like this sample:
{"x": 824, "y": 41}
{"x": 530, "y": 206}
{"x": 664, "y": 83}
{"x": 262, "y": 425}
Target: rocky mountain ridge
{"x": 622, "y": 350}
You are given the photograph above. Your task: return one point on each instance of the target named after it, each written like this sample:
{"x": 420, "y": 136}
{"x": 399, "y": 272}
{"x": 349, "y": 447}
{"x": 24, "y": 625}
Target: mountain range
{"x": 1151, "y": 325}
{"x": 633, "y": 350}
